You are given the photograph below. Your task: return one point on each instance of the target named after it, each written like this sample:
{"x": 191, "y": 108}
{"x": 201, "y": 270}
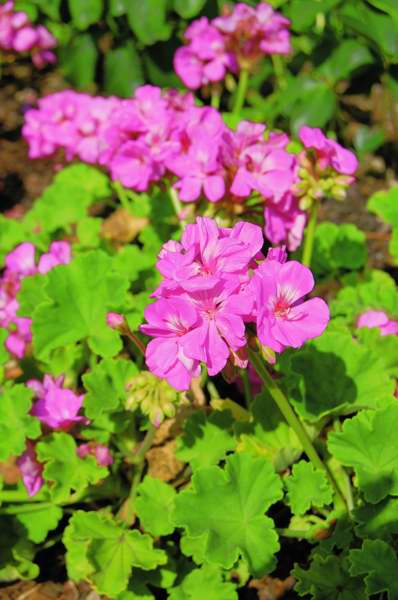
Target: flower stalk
{"x": 241, "y": 91}
{"x": 310, "y": 235}
{"x": 292, "y": 419}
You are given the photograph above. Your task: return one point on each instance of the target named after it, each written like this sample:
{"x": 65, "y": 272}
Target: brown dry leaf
{"x": 162, "y": 462}
{"x": 121, "y": 226}
{"x": 270, "y": 588}
{"x": 9, "y": 471}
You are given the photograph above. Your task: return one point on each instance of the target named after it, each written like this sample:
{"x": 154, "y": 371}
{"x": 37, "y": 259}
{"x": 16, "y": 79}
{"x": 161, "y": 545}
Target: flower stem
{"x": 292, "y": 419}
{"x": 122, "y": 195}
{"x": 246, "y": 388}
{"x": 127, "y": 511}
{"x": 310, "y": 236}
{"x": 176, "y": 202}
{"x": 241, "y": 91}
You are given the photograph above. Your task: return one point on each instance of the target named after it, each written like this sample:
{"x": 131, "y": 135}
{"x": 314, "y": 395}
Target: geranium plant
{"x": 183, "y": 407}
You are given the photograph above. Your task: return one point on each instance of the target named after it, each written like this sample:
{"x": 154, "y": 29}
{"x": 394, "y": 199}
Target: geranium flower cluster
{"x": 234, "y": 41}
{"x": 21, "y": 263}
{"x": 18, "y": 34}
{"x": 216, "y": 281}
{"x": 163, "y": 137}
{"x": 57, "y": 409}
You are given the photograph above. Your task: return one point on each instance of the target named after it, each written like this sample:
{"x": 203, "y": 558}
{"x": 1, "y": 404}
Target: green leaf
{"x": 103, "y": 552}
{"x": 85, "y": 13}
{"x": 12, "y": 233}
{"x": 368, "y": 443}
{"x": 194, "y": 546}
{"x": 316, "y": 106}
{"x": 303, "y": 19}
{"x": 378, "y": 28}
{"x": 385, "y": 346}
{"x": 377, "y": 520}
{"x": 206, "y": 578}
{"x": 346, "y": 58}
{"x": 28, "y": 8}
{"x": 335, "y": 374}
{"x": 229, "y": 504}
{"x": 307, "y": 488}
{"x": 338, "y": 247}
{"x": 31, "y": 294}
{"x": 206, "y": 440}
{"x": 269, "y": 435}
{"x": 16, "y": 424}
{"x": 385, "y": 205}
{"x": 79, "y": 295}
{"x": 39, "y": 522}
{"x": 378, "y": 291}
{"x": 378, "y": 561}
{"x": 117, "y": 8}
{"x": 130, "y": 261}
{"x": 64, "y": 469}
{"x": 88, "y": 231}
{"x": 147, "y": 19}
{"x": 16, "y": 552}
{"x": 79, "y": 60}
{"x": 368, "y": 139}
{"x": 154, "y": 506}
{"x": 106, "y": 386}
{"x": 123, "y": 70}
{"x": 67, "y": 199}
{"x": 187, "y": 9}
{"x": 51, "y": 8}
{"x": 328, "y": 578}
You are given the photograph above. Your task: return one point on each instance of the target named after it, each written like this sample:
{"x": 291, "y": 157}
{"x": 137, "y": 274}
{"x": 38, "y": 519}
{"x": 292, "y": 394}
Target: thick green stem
{"x": 310, "y": 236}
{"x": 241, "y": 91}
{"x": 247, "y": 388}
{"x": 127, "y": 511}
{"x": 283, "y": 404}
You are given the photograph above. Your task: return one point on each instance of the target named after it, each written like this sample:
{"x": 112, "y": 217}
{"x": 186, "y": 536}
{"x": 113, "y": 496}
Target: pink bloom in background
{"x": 283, "y": 318}
{"x": 160, "y": 137}
{"x": 56, "y": 406}
{"x": 379, "y": 319}
{"x": 236, "y": 40}
{"x": 20, "y": 263}
{"x": 99, "y": 451}
{"x": 19, "y": 35}
{"x": 215, "y": 281}
{"x": 31, "y": 470}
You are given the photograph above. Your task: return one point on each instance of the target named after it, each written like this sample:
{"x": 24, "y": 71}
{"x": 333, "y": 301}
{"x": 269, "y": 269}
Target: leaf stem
{"x": 127, "y": 511}
{"x": 310, "y": 235}
{"x": 292, "y": 419}
{"x": 241, "y": 91}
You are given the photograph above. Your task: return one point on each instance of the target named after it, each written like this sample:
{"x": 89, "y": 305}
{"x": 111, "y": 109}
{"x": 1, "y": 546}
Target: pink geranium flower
{"x": 99, "y": 451}
{"x": 169, "y": 321}
{"x": 283, "y": 318}
{"x": 56, "y": 407}
{"x": 31, "y": 470}
{"x": 379, "y": 319}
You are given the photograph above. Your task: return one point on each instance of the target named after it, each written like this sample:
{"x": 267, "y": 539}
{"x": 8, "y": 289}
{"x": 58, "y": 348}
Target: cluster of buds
{"x": 325, "y": 169}
{"x": 153, "y": 396}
